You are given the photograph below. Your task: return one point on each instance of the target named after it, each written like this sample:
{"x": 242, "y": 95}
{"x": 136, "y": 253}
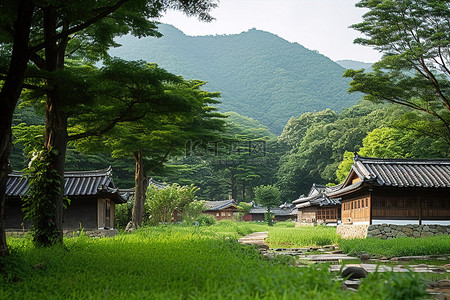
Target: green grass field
{"x": 170, "y": 262}
{"x": 406, "y": 246}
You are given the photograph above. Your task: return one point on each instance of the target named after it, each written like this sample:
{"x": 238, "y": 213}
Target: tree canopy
{"x": 414, "y": 37}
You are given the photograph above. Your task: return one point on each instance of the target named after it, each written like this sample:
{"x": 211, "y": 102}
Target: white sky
{"x": 320, "y": 25}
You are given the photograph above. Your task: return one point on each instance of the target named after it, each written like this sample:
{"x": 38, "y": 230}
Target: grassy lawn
{"x": 433, "y": 245}
{"x": 176, "y": 262}
{"x": 302, "y": 236}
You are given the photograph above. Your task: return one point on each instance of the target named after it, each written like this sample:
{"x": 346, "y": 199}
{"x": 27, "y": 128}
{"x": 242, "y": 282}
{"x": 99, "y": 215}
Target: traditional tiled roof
{"x": 275, "y": 210}
{"x": 401, "y": 173}
{"x": 317, "y": 197}
{"x": 157, "y": 184}
{"x": 218, "y": 205}
{"x": 76, "y": 183}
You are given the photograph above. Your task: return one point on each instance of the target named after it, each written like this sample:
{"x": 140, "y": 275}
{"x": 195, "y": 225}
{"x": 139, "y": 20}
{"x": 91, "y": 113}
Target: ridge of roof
{"x": 408, "y": 161}
{"x": 91, "y": 173}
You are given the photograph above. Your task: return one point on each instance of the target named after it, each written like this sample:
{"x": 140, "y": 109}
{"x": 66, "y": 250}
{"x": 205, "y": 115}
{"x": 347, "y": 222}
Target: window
{"x": 222, "y": 214}
{"x": 217, "y": 214}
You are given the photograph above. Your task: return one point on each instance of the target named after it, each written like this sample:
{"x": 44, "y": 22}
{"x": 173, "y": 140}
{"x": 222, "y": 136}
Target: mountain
{"x": 355, "y": 65}
{"x": 259, "y": 74}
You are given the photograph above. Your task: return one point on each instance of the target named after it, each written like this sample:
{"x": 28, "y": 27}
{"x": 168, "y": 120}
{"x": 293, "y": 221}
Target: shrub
{"x": 122, "y": 214}
{"x": 205, "y": 220}
{"x": 160, "y": 204}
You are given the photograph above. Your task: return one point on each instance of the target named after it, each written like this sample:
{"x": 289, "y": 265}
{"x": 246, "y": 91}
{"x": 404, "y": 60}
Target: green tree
{"x": 267, "y": 196}
{"x": 44, "y": 33}
{"x": 414, "y": 37}
{"x": 161, "y": 203}
{"x": 167, "y": 116}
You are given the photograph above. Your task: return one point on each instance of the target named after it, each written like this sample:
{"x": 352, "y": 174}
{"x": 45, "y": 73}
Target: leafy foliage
{"x": 414, "y": 37}
{"x": 161, "y": 203}
{"x": 39, "y": 202}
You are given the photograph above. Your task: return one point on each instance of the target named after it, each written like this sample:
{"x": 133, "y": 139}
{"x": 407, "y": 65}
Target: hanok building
{"x": 284, "y": 212}
{"x": 395, "y": 191}
{"x": 221, "y": 210}
{"x": 317, "y": 208}
{"x": 92, "y": 195}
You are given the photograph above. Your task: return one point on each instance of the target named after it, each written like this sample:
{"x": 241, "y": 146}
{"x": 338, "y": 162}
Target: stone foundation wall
{"x": 352, "y": 231}
{"x": 389, "y": 231}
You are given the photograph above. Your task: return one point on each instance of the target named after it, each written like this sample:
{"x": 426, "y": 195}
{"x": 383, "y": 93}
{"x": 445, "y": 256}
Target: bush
{"x": 122, "y": 215}
{"x": 205, "y": 220}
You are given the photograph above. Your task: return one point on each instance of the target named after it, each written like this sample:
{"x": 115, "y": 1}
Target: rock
{"x": 262, "y": 247}
{"x": 364, "y": 256}
{"x": 438, "y": 270}
{"x": 129, "y": 227}
{"x": 375, "y": 232}
{"x": 401, "y": 234}
{"x": 354, "y": 272}
{"x": 443, "y": 283}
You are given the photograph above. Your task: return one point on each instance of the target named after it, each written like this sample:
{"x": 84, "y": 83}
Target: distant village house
{"x": 317, "y": 208}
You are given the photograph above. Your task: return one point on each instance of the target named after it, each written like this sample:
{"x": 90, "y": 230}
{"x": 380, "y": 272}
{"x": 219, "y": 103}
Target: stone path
{"x": 438, "y": 290}
{"x": 256, "y": 238}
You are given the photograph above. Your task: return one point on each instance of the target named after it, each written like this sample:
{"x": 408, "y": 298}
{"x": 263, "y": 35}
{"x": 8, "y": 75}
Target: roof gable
{"x": 425, "y": 173}
{"x": 76, "y": 183}
{"x": 218, "y": 205}
{"x": 400, "y": 173}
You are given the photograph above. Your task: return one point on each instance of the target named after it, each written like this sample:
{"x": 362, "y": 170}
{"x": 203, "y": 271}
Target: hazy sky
{"x": 320, "y": 25}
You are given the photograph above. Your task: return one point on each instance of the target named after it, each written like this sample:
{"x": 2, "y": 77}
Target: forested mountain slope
{"x": 259, "y": 74}
{"x": 355, "y": 65}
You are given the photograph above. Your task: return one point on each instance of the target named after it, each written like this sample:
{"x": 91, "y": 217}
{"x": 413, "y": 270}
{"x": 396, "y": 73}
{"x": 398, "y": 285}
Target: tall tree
{"x": 183, "y": 114}
{"x": 15, "y": 27}
{"x": 45, "y": 33}
{"x": 414, "y": 37}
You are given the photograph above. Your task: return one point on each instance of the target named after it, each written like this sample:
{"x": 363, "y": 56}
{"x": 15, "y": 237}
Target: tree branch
{"x": 66, "y": 33}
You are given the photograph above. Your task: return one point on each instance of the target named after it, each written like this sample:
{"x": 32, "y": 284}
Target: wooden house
{"x": 221, "y": 210}
{"x": 395, "y": 191}
{"x": 92, "y": 195}
{"x": 317, "y": 208}
{"x": 282, "y": 213}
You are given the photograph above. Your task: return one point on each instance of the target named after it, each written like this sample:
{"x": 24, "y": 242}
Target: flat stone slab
{"x": 371, "y": 268}
{"x": 256, "y": 238}
{"x": 326, "y": 257}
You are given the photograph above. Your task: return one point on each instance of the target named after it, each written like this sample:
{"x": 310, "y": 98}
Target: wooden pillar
{"x": 370, "y": 206}
{"x": 419, "y": 200}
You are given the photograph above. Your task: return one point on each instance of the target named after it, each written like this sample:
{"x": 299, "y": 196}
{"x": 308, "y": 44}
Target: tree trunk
{"x": 141, "y": 184}
{"x": 55, "y": 119}
{"x": 233, "y": 187}
{"x": 243, "y": 192}
{"x": 8, "y": 99}
{"x": 56, "y": 141}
